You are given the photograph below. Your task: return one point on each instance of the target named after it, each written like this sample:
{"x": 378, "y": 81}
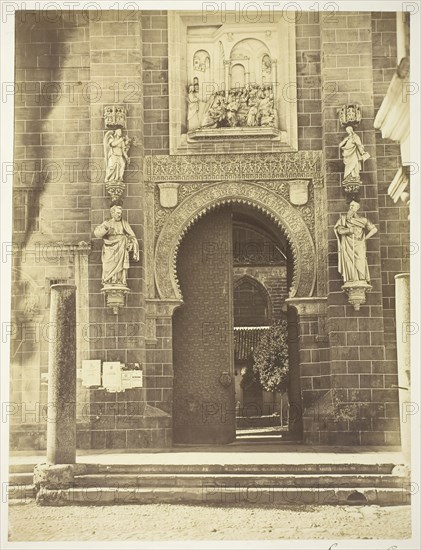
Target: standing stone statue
{"x": 352, "y": 232}
{"x": 116, "y": 147}
{"x": 119, "y": 241}
{"x": 354, "y": 155}
{"x": 193, "y": 118}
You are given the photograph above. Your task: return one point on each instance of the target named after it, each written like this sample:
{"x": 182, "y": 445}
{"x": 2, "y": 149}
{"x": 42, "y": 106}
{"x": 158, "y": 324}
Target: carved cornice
{"x": 237, "y": 167}
{"x": 209, "y": 197}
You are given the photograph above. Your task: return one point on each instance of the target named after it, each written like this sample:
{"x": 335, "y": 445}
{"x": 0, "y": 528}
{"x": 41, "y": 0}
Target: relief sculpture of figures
{"x": 193, "y": 119}
{"x": 352, "y": 231}
{"x": 250, "y": 106}
{"x": 354, "y": 155}
{"x": 116, "y": 147}
{"x": 119, "y": 241}
{"x": 215, "y": 111}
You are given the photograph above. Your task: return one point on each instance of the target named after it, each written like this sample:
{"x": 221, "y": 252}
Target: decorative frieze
{"x": 206, "y": 168}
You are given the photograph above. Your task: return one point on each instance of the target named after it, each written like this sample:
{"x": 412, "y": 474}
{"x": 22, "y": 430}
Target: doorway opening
{"x": 234, "y": 267}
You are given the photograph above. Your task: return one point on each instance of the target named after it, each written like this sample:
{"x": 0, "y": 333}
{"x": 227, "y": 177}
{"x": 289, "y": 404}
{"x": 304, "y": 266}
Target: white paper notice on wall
{"x": 126, "y": 379}
{"x": 137, "y": 379}
{"x": 91, "y": 372}
{"x": 131, "y": 376}
{"x": 111, "y": 376}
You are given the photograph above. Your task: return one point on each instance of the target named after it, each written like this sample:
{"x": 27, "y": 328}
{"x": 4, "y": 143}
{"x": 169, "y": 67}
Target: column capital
{"x": 313, "y": 305}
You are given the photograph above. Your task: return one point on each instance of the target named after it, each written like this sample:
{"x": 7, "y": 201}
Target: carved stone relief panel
{"x": 206, "y": 181}
{"x": 228, "y": 80}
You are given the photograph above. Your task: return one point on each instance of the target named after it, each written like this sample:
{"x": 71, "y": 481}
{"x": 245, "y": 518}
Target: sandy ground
{"x": 163, "y": 522}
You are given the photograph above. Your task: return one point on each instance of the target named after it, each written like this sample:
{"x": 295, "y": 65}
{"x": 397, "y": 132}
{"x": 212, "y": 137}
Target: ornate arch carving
{"x": 253, "y": 194}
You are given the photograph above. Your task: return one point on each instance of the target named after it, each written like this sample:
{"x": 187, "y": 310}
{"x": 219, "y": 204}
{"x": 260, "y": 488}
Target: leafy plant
{"x": 271, "y": 365}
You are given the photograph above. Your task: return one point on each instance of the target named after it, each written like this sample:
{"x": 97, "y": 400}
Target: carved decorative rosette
{"x": 210, "y": 197}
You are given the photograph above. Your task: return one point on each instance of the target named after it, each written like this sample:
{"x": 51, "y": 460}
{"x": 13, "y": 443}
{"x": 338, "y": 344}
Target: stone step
{"x": 252, "y": 469}
{"x": 288, "y": 496}
{"x": 19, "y": 492}
{"x": 261, "y": 481}
{"x": 21, "y": 468}
{"x": 21, "y": 478}
{"x": 293, "y": 469}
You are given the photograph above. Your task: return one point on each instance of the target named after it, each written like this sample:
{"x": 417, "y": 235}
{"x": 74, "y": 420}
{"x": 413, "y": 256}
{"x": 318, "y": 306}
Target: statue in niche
{"x": 119, "y": 242}
{"x": 116, "y": 148}
{"x": 354, "y": 155}
{"x": 352, "y": 232}
{"x": 193, "y": 118}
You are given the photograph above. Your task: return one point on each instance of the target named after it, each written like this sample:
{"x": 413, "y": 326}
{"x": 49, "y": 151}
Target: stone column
{"x": 227, "y": 71}
{"x": 81, "y": 257}
{"x": 404, "y": 358}
{"x": 61, "y": 424}
{"x": 274, "y": 77}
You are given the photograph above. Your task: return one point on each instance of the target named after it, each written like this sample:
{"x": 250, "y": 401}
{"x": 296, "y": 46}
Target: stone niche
{"x": 231, "y": 80}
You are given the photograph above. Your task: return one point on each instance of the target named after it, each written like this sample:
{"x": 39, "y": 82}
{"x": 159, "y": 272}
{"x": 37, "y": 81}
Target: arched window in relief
{"x": 238, "y": 76}
{"x": 201, "y": 61}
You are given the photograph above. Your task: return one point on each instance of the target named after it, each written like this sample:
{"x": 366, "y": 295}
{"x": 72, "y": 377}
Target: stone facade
{"x": 68, "y": 69}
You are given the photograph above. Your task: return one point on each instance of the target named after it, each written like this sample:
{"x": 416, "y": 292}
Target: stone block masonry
{"x": 356, "y": 339}
{"x": 67, "y": 70}
{"x": 393, "y": 218}
{"x": 117, "y": 420}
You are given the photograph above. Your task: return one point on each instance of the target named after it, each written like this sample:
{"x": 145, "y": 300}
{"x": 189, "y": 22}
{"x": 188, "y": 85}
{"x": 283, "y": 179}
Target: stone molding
{"x": 237, "y": 167}
{"x": 312, "y": 305}
{"x": 250, "y": 193}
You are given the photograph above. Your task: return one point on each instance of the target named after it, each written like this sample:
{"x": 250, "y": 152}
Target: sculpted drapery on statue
{"x": 116, "y": 147}
{"x": 354, "y": 155}
{"x": 352, "y": 232}
{"x": 119, "y": 241}
{"x": 193, "y": 117}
